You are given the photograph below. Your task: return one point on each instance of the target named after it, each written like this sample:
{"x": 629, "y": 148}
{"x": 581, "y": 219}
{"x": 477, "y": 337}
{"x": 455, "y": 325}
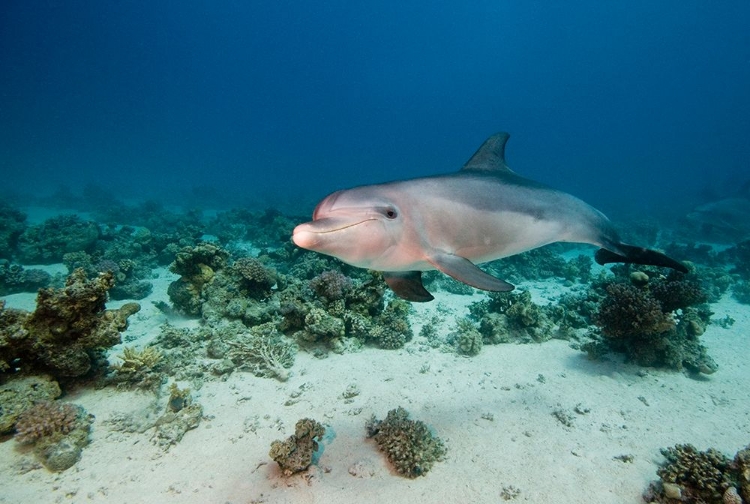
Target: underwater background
{"x": 162, "y": 339}
{"x": 629, "y": 105}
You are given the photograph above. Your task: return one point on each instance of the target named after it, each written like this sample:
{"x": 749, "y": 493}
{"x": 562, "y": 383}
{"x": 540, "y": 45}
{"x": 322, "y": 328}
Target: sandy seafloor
{"x": 494, "y": 412}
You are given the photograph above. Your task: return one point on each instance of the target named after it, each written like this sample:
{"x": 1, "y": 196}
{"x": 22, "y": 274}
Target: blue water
{"x": 634, "y": 106}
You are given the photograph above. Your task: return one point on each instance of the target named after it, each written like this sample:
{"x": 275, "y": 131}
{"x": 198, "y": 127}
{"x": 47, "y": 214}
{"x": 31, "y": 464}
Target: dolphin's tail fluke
{"x": 637, "y": 255}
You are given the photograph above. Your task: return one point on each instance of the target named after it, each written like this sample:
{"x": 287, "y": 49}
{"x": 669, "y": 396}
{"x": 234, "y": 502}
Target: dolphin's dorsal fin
{"x": 490, "y": 157}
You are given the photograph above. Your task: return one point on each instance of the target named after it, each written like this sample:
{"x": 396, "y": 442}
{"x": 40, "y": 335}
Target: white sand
{"x": 494, "y": 412}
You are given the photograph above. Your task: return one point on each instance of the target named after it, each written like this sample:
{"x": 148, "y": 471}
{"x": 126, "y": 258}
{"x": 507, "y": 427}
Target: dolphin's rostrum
{"x": 452, "y": 222}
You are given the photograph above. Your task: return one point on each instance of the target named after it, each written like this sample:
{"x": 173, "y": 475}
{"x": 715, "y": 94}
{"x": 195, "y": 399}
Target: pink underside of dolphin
{"x": 453, "y": 222}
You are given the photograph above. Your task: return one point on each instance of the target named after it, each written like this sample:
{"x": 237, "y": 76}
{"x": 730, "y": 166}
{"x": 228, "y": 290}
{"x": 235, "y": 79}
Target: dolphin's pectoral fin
{"x": 638, "y": 255}
{"x": 407, "y": 285}
{"x": 465, "y": 271}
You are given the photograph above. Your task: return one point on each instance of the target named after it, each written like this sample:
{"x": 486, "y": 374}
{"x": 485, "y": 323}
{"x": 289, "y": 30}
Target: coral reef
{"x": 246, "y": 292}
{"x": 128, "y": 275}
{"x": 255, "y": 280}
{"x": 15, "y": 278}
{"x": 331, "y": 285}
{"x": 391, "y": 329}
{"x": 295, "y": 454}
{"x": 742, "y": 463}
{"x": 68, "y": 331}
{"x": 19, "y": 393}
{"x": 264, "y": 351}
{"x": 739, "y": 257}
{"x": 506, "y": 317}
{"x": 575, "y": 311}
{"x": 58, "y": 431}
{"x": 543, "y": 263}
{"x": 641, "y": 322}
{"x": 701, "y": 477}
{"x": 408, "y": 444}
{"x": 348, "y": 322}
{"x": 12, "y": 224}
{"x": 741, "y": 292}
{"x": 48, "y": 242}
{"x": 466, "y": 338}
{"x": 139, "y": 369}
{"x": 628, "y": 310}
{"x": 269, "y": 228}
{"x": 196, "y": 266}
{"x": 44, "y": 419}
{"x": 676, "y": 294}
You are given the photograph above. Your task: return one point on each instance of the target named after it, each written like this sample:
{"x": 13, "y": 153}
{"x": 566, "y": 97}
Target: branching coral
{"x": 57, "y": 430}
{"x": 134, "y": 360}
{"x": 46, "y": 418}
{"x": 139, "y": 368}
{"x": 265, "y": 353}
{"x": 408, "y": 444}
{"x": 19, "y": 393}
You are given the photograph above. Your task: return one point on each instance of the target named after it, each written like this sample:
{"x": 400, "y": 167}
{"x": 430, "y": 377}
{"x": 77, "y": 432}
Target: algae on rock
{"x": 295, "y": 454}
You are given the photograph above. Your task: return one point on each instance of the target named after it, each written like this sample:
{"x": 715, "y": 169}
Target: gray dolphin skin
{"x": 452, "y": 222}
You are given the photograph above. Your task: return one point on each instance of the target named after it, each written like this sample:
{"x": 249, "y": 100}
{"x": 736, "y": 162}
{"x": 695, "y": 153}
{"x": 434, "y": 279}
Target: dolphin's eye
{"x": 391, "y": 213}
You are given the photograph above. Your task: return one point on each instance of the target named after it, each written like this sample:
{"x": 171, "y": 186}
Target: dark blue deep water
{"x": 637, "y": 107}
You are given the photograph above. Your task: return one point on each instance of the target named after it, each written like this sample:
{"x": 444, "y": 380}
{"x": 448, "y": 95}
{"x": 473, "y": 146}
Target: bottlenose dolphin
{"x": 452, "y": 222}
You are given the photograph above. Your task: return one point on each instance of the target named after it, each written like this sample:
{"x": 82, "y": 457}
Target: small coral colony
{"x": 260, "y": 300}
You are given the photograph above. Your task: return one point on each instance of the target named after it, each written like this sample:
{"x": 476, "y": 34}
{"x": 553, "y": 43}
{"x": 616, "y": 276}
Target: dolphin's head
{"x": 358, "y": 226}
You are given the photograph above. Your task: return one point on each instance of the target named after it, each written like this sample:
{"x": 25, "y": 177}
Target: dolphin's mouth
{"x": 307, "y": 235}
{"x": 329, "y": 224}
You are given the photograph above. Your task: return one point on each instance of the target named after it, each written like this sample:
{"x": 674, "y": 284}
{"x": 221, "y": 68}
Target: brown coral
{"x": 628, "y": 310}
{"x": 67, "y": 329}
{"x": 295, "y": 454}
{"x": 332, "y": 285}
{"x": 255, "y": 278}
{"x": 197, "y": 266}
{"x": 409, "y": 444}
{"x": 693, "y": 476}
{"x": 677, "y": 294}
